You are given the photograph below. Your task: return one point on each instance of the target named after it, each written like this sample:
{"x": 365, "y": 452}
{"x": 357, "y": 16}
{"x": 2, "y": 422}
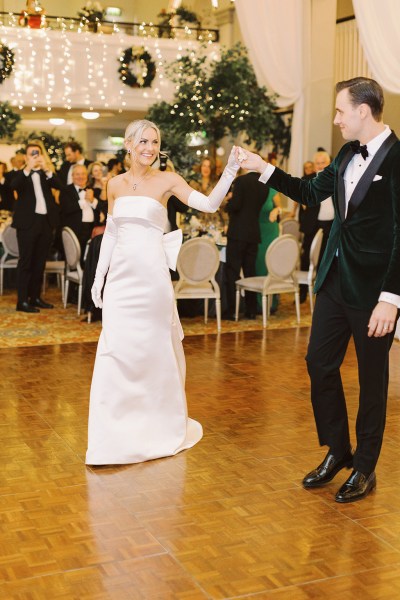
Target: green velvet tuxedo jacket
{"x": 368, "y": 238}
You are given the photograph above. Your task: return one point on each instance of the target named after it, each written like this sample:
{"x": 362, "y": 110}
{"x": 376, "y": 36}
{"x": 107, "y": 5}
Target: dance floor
{"x": 226, "y": 519}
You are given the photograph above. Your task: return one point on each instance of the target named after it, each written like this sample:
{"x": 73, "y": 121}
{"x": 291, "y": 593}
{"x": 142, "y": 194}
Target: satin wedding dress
{"x": 137, "y": 402}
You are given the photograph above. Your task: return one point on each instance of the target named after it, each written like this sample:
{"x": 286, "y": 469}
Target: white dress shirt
{"x": 86, "y": 206}
{"x": 41, "y": 208}
{"x": 352, "y": 175}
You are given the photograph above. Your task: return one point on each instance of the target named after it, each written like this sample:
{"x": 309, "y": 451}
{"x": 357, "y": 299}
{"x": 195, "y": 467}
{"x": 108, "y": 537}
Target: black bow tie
{"x": 81, "y": 190}
{"x": 358, "y": 149}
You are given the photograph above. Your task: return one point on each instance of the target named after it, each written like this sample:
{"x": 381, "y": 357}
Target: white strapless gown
{"x": 137, "y": 402}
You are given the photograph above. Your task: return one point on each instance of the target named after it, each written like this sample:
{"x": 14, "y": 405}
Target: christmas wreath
{"x": 8, "y": 120}
{"x": 6, "y": 62}
{"x": 137, "y": 69}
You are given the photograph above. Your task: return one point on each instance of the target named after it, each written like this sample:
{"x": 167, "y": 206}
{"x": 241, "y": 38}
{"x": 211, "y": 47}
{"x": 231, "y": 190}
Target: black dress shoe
{"x": 249, "y": 315}
{"x": 25, "y": 307}
{"x": 39, "y": 303}
{"x": 356, "y": 487}
{"x": 327, "y": 470}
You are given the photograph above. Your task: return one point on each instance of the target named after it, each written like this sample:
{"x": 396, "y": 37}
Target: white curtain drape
{"x": 378, "y": 25}
{"x": 277, "y": 35}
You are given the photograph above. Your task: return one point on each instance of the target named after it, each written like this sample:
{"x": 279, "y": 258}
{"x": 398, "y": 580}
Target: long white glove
{"x": 211, "y": 203}
{"x": 106, "y": 250}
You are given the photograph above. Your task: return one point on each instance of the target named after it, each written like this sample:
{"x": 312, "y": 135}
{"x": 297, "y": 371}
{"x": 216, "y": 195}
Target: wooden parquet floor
{"x": 226, "y": 519}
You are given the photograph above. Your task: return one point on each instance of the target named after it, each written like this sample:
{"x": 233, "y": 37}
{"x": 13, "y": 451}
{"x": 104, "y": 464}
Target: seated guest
{"x": 80, "y": 210}
{"x": 74, "y": 156}
{"x": 326, "y": 212}
{"x": 6, "y": 193}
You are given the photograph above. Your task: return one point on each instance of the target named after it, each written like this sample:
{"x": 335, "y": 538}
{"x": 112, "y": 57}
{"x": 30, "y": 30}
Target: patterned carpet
{"x": 63, "y": 326}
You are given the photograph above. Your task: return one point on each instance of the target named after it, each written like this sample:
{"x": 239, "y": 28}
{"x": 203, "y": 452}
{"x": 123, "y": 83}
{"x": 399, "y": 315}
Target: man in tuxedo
{"x": 74, "y": 156}
{"x": 358, "y": 282}
{"x": 80, "y": 210}
{"x": 35, "y": 217}
{"x": 243, "y": 238}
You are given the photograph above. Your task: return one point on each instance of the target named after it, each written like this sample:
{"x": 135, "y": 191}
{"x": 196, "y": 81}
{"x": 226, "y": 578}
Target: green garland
{"x": 8, "y": 120}
{"x": 6, "y": 62}
{"x": 144, "y": 67}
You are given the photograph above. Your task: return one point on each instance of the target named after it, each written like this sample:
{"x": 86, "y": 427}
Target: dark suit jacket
{"x": 368, "y": 238}
{"x": 7, "y": 200}
{"x": 64, "y": 170}
{"x": 71, "y": 212}
{"x": 24, "y": 210}
{"x": 308, "y": 215}
{"x": 244, "y": 208}
{"x": 173, "y": 207}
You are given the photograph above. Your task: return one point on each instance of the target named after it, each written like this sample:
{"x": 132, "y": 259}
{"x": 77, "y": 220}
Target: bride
{"x": 137, "y": 406}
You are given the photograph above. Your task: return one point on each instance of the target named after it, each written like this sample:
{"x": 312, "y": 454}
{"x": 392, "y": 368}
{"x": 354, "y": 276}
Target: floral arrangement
{"x": 9, "y": 120}
{"x": 92, "y": 12}
{"x": 182, "y": 13}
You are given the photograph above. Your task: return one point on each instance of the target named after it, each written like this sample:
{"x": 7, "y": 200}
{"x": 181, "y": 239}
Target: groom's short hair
{"x": 364, "y": 91}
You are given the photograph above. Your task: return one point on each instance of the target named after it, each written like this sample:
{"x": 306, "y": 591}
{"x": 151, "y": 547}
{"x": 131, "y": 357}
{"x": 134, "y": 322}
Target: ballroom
{"x": 191, "y": 331}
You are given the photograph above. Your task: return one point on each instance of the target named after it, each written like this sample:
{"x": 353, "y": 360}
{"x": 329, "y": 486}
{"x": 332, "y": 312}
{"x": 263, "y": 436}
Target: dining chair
{"x": 197, "y": 265}
{"x": 290, "y": 226}
{"x": 281, "y": 259}
{"x": 9, "y": 260}
{"x": 73, "y": 271}
{"x": 308, "y": 277}
{"x": 56, "y": 267}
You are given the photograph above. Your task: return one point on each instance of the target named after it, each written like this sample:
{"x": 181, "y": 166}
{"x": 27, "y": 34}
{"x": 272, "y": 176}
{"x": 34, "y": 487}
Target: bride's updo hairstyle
{"x": 134, "y": 131}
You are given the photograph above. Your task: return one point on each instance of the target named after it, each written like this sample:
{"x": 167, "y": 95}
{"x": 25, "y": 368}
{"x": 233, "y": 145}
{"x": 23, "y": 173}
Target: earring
{"x": 129, "y": 151}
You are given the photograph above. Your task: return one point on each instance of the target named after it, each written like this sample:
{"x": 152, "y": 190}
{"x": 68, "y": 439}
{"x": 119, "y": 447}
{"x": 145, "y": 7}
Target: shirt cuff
{"x": 264, "y": 177}
{"x": 390, "y": 298}
{"x": 49, "y": 174}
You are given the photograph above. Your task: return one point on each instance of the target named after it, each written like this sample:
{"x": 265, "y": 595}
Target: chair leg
{"x": 264, "y": 310}
{"x": 297, "y": 301}
{"x": 79, "y": 298}
{"x": 218, "y": 312}
{"x": 66, "y": 293}
{"x": 62, "y": 288}
{"x": 237, "y": 304}
{"x": 89, "y": 316}
{"x": 205, "y": 310}
{"x": 310, "y": 293}
{"x": 1, "y": 281}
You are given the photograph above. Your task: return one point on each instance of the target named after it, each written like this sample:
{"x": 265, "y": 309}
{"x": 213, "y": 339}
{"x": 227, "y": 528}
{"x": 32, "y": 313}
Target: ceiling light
{"x": 90, "y": 115}
{"x": 54, "y": 121}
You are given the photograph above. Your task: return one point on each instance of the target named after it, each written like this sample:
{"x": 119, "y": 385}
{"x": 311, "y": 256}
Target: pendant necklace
{"x": 134, "y": 185}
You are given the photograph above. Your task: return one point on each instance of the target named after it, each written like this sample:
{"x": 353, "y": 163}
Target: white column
{"x": 319, "y": 94}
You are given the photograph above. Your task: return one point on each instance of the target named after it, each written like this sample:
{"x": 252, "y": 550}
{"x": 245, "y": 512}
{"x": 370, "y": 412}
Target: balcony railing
{"x": 35, "y": 21}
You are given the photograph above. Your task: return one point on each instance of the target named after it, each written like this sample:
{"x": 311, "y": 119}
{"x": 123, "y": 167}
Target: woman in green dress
{"x": 269, "y": 230}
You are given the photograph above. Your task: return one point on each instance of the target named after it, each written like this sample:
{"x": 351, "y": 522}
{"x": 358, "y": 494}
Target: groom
{"x": 358, "y": 282}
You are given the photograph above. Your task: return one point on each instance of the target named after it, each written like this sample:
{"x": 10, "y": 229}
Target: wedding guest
{"x": 7, "y": 199}
{"x": 74, "y": 156}
{"x": 114, "y": 167}
{"x": 36, "y": 216}
{"x": 80, "y": 209}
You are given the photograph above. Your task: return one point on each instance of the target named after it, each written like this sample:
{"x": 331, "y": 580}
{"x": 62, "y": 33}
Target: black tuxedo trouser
{"x": 240, "y": 255}
{"x": 333, "y": 325}
{"x": 34, "y": 244}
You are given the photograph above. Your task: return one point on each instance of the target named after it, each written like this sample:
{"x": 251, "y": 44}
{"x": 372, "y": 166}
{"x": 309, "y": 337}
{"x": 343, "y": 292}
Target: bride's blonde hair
{"x": 135, "y": 130}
